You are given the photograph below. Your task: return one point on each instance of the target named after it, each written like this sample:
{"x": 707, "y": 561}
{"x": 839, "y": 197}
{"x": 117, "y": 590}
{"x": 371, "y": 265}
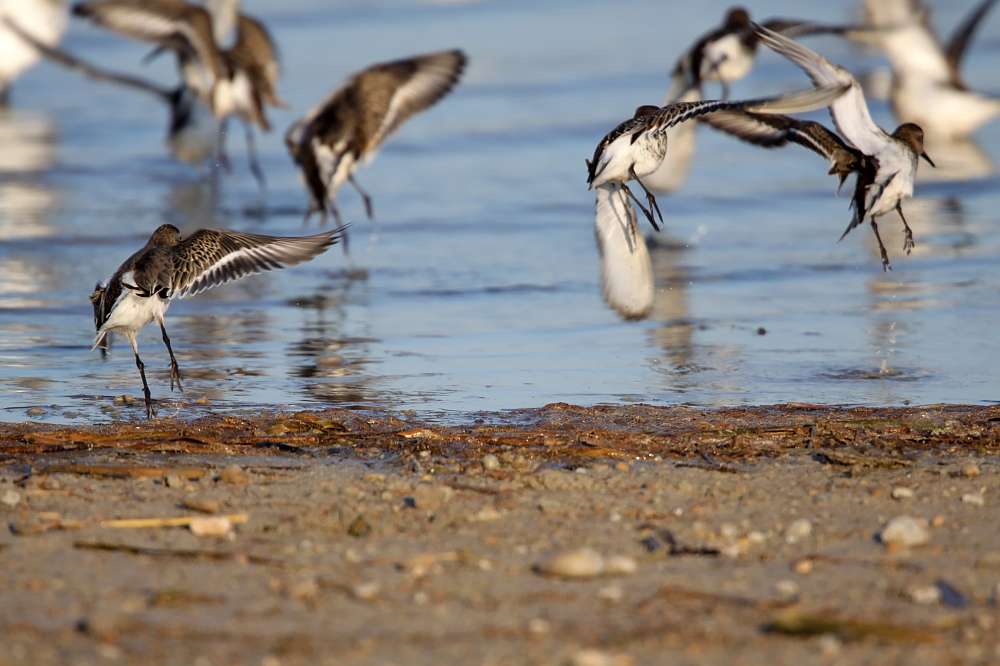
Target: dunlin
{"x": 893, "y": 157}
{"x": 168, "y": 267}
{"x": 350, "y": 124}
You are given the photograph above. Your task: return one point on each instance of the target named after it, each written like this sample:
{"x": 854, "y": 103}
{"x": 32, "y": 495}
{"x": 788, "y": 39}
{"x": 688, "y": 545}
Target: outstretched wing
{"x": 212, "y": 257}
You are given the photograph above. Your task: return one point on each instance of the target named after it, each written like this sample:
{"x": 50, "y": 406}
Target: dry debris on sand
{"x": 562, "y": 535}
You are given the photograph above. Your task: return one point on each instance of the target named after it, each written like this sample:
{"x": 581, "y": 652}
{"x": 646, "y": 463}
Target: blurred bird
{"x": 928, "y": 88}
{"x": 636, "y": 147}
{"x": 167, "y": 267}
{"x": 626, "y": 268}
{"x": 888, "y": 174}
{"x": 44, "y": 20}
{"x": 351, "y": 123}
{"x": 239, "y": 79}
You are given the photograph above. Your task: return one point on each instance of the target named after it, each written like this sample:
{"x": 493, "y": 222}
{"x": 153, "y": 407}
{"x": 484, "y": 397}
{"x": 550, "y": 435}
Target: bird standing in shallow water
{"x": 636, "y": 147}
{"x": 349, "y": 126}
{"x": 892, "y": 158}
{"x": 167, "y": 267}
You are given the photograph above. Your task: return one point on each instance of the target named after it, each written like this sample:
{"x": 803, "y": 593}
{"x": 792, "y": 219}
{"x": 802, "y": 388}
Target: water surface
{"x": 476, "y": 286}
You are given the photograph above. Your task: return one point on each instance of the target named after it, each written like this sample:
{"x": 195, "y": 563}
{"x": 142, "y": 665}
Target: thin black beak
{"x": 929, "y": 161}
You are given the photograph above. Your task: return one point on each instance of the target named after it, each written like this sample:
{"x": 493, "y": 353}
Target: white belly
{"x": 131, "y": 313}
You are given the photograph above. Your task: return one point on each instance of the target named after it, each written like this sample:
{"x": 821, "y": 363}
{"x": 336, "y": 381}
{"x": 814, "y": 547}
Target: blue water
{"x": 481, "y": 287}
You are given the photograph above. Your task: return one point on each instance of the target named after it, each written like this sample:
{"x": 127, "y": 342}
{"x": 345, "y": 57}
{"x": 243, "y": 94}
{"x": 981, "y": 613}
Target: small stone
{"x": 366, "y": 591}
{"x": 798, "y": 530}
{"x": 620, "y": 565}
{"x": 901, "y": 493}
{"x": 490, "y": 463}
{"x": 10, "y": 498}
{"x": 487, "y": 513}
{"x": 235, "y": 475}
{"x": 50, "y": 483}
{"x": 594, "y": 657}
{"x": 989, "y": 560}
{"x": 925, "y": 595}
{"x": 937, "y": 521}
{"x": 432, "y": 496}
{"x": 210, "y": 526}
{"x": 803, "y": 566}
{"x": 124, "y": 400}
{"x": 174, "y": 480}
{"x": 787, "y": 589}
{"x": 611, "y": 593}
{"x": 36, "y": 411}
{"x": 975, "y": 499}
{"x": 577, "y": 563}
{"x": 304, "y": 590}
{"x": 904, "y": 531}
{"x": 830, "y": 645}
{"x": 970, "y": 470}
{"x": 539, "y": 626}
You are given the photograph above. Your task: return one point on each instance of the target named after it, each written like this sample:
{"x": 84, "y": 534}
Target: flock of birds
{"x": 228, "y": 67}
{"x": 928, "y": 95}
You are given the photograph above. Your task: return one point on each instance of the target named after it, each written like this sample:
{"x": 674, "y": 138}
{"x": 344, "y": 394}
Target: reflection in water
{"x": 675, "y": 334}
{"x": 29, "y": 141}
{"x": 957, "y": 160}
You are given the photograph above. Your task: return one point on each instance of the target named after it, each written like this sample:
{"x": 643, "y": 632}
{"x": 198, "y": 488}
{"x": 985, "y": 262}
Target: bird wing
{"x": 173, "y": 24}
{"x": 255, "y": 53}
{"x": 908, "y": 41}
{"x": 849, "y": 110}
{"x": 211, "y": 257}
{"x": 959, "y": 42}
{"x": 773, "y": 131}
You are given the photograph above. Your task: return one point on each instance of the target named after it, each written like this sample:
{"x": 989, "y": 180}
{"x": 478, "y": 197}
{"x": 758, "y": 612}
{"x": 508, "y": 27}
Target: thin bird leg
{"x": 175, "y": 371}
{"x": 881, "y": 247}
{"x": 364, "y": 195}
{"x": 908, "y": 243}
{"x": 648, "y": 214}
{"x": 255, "y": 169}
{"x": 145, "y": 387}
{"x": 649, "y": 195}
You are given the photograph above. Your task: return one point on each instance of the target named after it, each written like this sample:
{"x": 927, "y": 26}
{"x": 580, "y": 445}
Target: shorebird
{"x": 727, "y": 53}
{"x": 44, "y": 20}
{"x": 626, "y": 268}
{"x": 353, "y": 121}
{"x": 168, "y": 267}
{"x": 928, "y": 88}
{"x": 636, "y": 147}
{"x": 239, "y": 79}
{"x": 893, "y": 157}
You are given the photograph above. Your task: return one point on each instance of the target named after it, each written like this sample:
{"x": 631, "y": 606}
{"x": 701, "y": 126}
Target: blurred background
{"x": 476, "y": 287}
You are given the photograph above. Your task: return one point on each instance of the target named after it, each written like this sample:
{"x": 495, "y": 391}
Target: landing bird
{"x": 167, "y": 267}
{"x": 626, "y": 269}
{"x": 636, "y": 147}
{"x": 894, "y": 156}
{"x": 44, "y": 20}
{"x": 353, "y": 121}
{"x": 238, "y": 80}
{"x": 928, "y": 88}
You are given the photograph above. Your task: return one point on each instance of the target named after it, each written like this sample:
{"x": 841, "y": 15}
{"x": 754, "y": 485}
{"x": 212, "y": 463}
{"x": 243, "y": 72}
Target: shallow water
{"x": 476, "y": 287}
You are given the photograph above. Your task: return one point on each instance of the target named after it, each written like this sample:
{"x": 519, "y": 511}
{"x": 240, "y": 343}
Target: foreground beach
{"x": 562, "y": 535}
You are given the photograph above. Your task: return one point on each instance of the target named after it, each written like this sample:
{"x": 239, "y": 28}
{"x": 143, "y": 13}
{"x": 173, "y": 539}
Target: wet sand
{"x": 753, "y": 536}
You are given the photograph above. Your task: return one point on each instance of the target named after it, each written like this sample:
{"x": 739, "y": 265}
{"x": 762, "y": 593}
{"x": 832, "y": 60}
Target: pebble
{"x": 787, "y": 589}
{"x": 798, "y": 530}
{"x": 50, "y": 483}
{"x": 174, "y": 480}
{"x": 975, "y": 499}
{"x": 10, "y": 498}
{"x": 905, "y": 531}
{"x": 925, "y": 595}
{"x": 611, "y": 593}
{"x": 366, "y": 591}
{"x": 901, "y": 493}
{"x": 235, "y": 475}
{"x": 594, "y": 657}
{"x": 577, "y": 563}
{"x": 305, "y": 590}
{"x": 124, "y": 400}
{"x": 210, "y": 526}
{"x": 203, "y": 505}
{"x": 431, "y": 496}
{"x": 970, "y": 470}
{"x": 490, "y": 463}
{"x": 803, "y": 566}
{"x": 487, "y": 513}
{"x": 538, "y": 626}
